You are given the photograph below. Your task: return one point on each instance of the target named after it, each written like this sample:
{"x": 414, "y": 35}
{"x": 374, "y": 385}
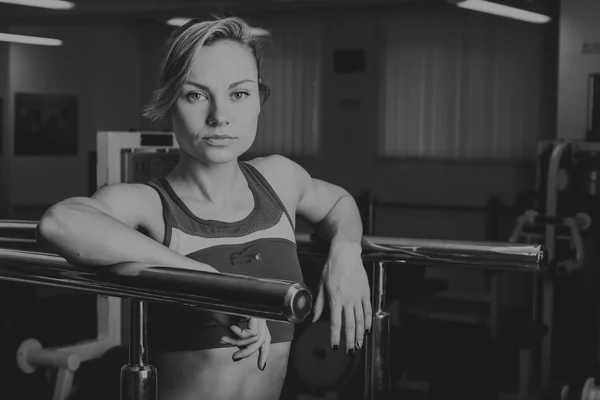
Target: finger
{"x": 264, "y": 351}
{"x": 239, "y": 342}
{"x": 242, "y": 333}
{"x": 255, "y": 325}
{"x": 248, "y": 351}
{"x": 335, "y": 325}
{"x": 349, "y": 328}
{"x": 319, "y": 304}
{"x": 367, "y": 310}
{"x": 359, "y": 321}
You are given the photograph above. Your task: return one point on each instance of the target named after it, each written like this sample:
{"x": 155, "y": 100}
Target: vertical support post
{"x": 138, "y": 378}
{"x": 370, "y": 228}
{"x": 377, "y": 349}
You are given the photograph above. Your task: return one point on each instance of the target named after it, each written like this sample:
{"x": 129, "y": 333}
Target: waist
{"x": 164, "y": 337}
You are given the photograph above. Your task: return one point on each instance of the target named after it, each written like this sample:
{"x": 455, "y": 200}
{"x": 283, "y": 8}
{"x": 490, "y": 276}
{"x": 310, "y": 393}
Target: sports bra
{"x": 260, "y": 245}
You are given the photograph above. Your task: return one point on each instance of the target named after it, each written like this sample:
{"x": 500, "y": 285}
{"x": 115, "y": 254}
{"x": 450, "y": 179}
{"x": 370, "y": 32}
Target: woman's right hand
{"x": 249, "y": 340}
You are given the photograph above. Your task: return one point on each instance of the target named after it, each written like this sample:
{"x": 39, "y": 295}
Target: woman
{"x": 214, "y": 213}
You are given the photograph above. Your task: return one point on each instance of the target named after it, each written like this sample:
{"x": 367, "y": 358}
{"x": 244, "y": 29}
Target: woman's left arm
{"x": 344, "y": 280}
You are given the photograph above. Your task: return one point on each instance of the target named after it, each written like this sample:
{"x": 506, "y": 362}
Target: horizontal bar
{"x": 14, "y": 229}
{"x": 427, "y": 252}
{"x": 421, "y": 206}
{"x": 232, "y": 294}
{"x": 13, "y": 224}
{"x": 439, "y": 253}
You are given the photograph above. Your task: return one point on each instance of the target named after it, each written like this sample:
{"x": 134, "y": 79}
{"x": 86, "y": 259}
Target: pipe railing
{"x": 17, "y": 233}
{"x": 232, "y": 294}
{"x": 427, "y": 252}
{"x": 439, "y": 253}
{"x": 381, "y": 252}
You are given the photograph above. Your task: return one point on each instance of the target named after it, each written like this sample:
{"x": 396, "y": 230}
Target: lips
{"x": 217, "y": 137}
{"x": 218, "y": 140}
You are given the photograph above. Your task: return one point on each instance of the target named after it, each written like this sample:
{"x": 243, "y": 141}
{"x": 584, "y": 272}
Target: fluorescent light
{"x": 9, "y": 37}
{"x": 504, "y": 11}
{"x": 52, "y": 4}
{"x": 178, "y": 21}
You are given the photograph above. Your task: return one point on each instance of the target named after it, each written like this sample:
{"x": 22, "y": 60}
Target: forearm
{"x": 86, "y": 236}
{"x": 343, "y": 222}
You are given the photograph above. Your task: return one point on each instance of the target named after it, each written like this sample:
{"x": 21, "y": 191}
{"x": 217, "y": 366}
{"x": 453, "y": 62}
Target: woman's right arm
{"x": 105, "y": 229}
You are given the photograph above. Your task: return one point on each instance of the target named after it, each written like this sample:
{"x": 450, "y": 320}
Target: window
{"x": 461, "y": 85}
{"x": 290, "y": 123}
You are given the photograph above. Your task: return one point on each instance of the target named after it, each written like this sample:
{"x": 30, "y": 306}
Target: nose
{"x": 217, "y": 115}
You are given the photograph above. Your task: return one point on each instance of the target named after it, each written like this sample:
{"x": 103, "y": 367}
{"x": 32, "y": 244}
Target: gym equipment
{"x": 232, "y": 294}
{"x": 227, "y": 293}
{"x": 31, "y": 355}
{"x": 382, "y": 252}
{"x": 17, "y": 235}
{"x": 562, "y": 215}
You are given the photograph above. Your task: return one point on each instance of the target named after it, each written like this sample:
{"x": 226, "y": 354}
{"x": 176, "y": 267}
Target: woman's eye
{"x": 240, "y": 95}
{"x": 193, "y": 96}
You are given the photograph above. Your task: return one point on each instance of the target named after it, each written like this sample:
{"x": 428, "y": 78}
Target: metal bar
{"x": 13, "y": 225}
{"x": 379, "y": 251}
{"x": 138, "y": 345}
{"x": 429, "y": 252}
{"x": 14, "y": 230}
{"x": 440, "y": 207}
{"x": 139, "y": 380}
{"x": 378, "y": 343}
{"x": 233, "y": 294}
{"x": 439, "y": 253}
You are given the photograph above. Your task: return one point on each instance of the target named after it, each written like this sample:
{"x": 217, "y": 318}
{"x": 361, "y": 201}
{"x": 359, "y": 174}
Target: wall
{"x": 153, "y": 37}
{"x": 99, "y": 65}
{"x": 579, "y": 25}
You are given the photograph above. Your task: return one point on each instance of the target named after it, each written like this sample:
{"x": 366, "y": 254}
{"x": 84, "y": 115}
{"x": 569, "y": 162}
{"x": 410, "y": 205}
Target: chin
{"x": 220, "y": 156}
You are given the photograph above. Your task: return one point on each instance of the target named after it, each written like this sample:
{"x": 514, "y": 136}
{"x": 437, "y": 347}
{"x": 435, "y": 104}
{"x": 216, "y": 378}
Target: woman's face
{"x": 216, "y": 115}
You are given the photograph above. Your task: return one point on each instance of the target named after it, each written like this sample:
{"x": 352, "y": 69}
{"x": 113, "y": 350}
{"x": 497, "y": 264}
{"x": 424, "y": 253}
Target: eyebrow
{"x": 203, "y": 87}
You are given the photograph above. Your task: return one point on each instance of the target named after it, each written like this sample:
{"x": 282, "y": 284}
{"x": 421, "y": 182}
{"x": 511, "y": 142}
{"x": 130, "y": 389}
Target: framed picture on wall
{"x": 46, "y": 125}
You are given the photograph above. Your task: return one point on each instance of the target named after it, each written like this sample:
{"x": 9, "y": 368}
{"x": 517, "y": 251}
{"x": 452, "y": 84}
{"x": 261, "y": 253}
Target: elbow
{"x": 56, "y": 233}
{"x": 48, "y": 227}
{"x": 53, "y": 227}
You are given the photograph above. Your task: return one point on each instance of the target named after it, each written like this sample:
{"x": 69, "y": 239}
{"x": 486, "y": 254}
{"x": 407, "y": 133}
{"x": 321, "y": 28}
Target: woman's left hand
{"x": 345, "y": 283}
{"x": 256, "y": 337}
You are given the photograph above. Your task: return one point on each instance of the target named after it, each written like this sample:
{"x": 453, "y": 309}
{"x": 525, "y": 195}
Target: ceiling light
{"x": 52, "y": 4}
{"x": 9, "y": 37}
{"x": 178, "y": 21}
{"x": 504, "y": 11}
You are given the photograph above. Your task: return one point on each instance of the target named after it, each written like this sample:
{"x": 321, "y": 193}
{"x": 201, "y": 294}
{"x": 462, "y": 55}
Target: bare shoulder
{"x": 282, "y": 175}
{"x": 274, "y": 167}
{"x": 136, "y": 205}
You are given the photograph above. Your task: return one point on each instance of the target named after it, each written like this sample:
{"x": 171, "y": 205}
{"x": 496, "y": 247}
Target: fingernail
{"x": 350, "y": 352}
{"x": 335, "y": 347}
{"x": 263, "y": 367}
{"x": 359, "y": 344}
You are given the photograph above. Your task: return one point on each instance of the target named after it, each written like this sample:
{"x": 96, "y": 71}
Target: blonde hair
{"x": 181, "y": 48}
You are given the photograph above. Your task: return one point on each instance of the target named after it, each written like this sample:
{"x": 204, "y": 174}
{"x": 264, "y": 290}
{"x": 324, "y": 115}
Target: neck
{"x": 217, "y": 183}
